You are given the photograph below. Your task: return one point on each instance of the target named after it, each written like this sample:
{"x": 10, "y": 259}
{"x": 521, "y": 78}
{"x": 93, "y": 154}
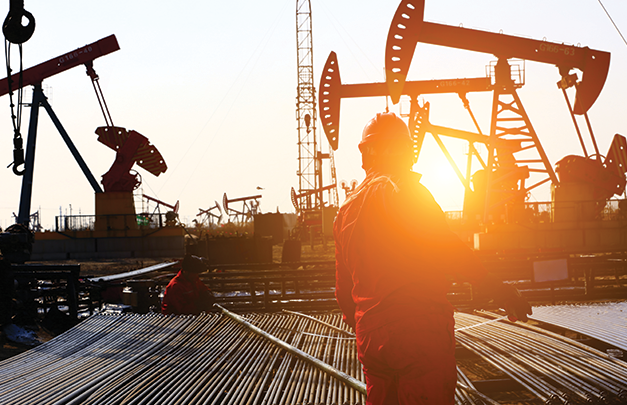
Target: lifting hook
{"x": 12, "y": 27}
{"x": 18, "y": 155}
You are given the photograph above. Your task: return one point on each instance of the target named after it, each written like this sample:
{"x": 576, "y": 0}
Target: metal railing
{"x": 66, "y": 223}
{"x": 545, "y": 212}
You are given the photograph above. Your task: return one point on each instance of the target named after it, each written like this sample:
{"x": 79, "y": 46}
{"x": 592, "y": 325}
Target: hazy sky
{"x": 213, "y": 86}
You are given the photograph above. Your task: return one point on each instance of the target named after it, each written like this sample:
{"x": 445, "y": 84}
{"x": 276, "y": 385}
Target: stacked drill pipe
{"x": 463, "y": 396}
{"x": 603, "y": 321}
{"x": 547, "y": 367}
{"x": 333, "y": 348}
{"x": 157, "y": 359}
{"x": 154, "y": 359}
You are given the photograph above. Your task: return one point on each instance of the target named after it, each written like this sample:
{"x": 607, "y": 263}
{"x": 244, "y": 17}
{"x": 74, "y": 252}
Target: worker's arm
{"x": 492, "y": 291}
{"x": 450, "y": 254}
{"x": 172, "y": 303}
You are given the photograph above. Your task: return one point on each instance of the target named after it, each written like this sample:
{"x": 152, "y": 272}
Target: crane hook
{"x": 18, "y": 156}
{"x": 12, "y": 27}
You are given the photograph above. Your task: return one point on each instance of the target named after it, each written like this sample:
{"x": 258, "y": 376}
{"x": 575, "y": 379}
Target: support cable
{"x": 613, "y": 23}
{"x": 16, "y": 111}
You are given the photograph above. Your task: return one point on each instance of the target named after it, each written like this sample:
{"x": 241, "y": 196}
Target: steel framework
{"x": 310, "y": 156}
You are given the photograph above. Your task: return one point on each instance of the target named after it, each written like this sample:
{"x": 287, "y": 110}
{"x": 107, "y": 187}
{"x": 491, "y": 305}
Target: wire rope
{"x": 613, "y": 23}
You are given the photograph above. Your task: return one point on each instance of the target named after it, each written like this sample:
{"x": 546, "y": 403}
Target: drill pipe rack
{"x": 210, "y": 358}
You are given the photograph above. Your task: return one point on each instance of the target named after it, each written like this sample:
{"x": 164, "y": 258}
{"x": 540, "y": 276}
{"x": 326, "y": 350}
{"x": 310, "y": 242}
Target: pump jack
{"x": 250, "y": 206}
{"x": 208, "y": 217}
{"x": 332, "y": 91}
{"x": 507, "y": 170}
{"x": 130, "y": 146}
{"x": 170, "y": 216}
{"x": 34, "y": 76}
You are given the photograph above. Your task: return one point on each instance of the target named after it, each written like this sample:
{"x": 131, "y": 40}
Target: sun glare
{"x": 440, "y": 178}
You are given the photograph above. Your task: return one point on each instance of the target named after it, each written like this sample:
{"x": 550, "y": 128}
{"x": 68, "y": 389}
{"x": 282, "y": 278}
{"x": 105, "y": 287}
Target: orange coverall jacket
{"x": 395, "y": 252}
{"x": 186, "y": 294}
{"x": 395, "y": 257}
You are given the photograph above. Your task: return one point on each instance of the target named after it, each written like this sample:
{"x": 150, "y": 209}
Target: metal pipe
{"x": 473, "y": 391}
{"x": 133, "y": 273}
{"x": 148, "y": 359}
{"x": 321, "y": 323}
{"x": 343, "y": 377}
{"x": 581, "y": 372}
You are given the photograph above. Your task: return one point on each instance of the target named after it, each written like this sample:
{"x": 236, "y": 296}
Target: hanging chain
{"x": 16, "y": 110}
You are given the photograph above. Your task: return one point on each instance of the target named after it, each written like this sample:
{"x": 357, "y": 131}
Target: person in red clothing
{"x": 186, "y": 293}
{"x": 395, "y": 260}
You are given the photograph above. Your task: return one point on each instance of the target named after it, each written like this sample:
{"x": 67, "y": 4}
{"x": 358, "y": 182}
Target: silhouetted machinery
{"x": 516, "y": 162}
{"x": 130, "y": 146}
{"x": 208, "y": 217}
{"x": 171, "y": 216}
{"x": 115, "y": 220}
{"x": 314, "y": 221}
{"x": 514, "y": 150}
{"x": 249, "y": 207}
{"x": 34, "y": 76}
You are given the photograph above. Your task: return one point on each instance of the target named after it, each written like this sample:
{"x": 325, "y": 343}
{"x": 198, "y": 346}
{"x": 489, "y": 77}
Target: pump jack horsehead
{"x": 514, "y": 150}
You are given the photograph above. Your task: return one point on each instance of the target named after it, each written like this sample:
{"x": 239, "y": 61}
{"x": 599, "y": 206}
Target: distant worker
{"x": 395, "y": 257}
{"x": 186, "y": 293}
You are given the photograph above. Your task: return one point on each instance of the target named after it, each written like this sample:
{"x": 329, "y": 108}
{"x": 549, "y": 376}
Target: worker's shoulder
{"x": 412, "y": 191}
{"x": 410, "y": 183}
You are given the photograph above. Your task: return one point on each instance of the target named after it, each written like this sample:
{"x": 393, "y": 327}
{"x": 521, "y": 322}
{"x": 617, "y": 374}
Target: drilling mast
{"x": 310, "y": 156}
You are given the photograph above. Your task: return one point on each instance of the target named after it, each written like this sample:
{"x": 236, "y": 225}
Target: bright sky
{"x": 213, "y": 86}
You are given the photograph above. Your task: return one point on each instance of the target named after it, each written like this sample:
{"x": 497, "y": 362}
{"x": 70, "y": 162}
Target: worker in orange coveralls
{"x": 395, "y": 258}
{"x": 186, "y": 293}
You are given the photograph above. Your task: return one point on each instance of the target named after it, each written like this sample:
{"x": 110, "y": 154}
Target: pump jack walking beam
{"x": 34, "y": 76}
{"x": 80, "y": 56}
{"x": 332, "y": 91}
{"x": 408, "y": 28}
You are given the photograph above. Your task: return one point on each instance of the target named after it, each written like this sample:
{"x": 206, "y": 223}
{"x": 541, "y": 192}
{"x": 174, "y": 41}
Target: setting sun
{"x": 439, "y": 176}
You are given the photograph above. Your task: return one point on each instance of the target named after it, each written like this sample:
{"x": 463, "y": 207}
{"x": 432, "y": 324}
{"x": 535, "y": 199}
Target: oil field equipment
{"x": 248, "y": 210}
{"x": 171, "y": 216}
{"x": 516, "y": 163}
{"x": 508, "y": 166}
{"x": 208, "y": 217}
{"x": 309, "y": 201}
{"x": 34, "y": 76}
{"x": 115, "y": 209}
